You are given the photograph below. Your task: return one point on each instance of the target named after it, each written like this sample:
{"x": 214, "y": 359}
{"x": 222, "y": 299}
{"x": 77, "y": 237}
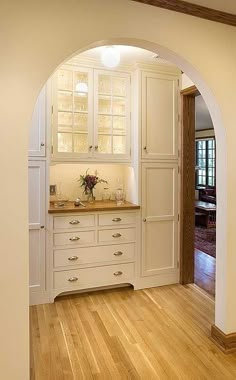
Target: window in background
{"x": 205, "y": 162}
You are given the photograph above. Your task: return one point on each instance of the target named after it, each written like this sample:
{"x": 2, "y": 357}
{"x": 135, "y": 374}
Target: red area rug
{"x": 205, "y": 240}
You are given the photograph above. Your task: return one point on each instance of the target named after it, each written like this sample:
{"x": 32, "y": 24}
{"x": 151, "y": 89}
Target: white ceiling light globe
{"x": 110, "y": 57}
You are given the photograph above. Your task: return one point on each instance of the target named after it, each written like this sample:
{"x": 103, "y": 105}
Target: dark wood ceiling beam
{"x": 193, "y": 10}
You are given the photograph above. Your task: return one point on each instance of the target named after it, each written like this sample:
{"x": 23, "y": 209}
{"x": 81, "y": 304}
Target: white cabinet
{"x": 94, "y": 251}
{"x": 160, "y": 222}
{"x": 111, "y": 114}
{"x": 91, "y": 114}
{"x": 37, "y": 132}
{"x": 160, "y": 96}
{"x": 37, "y": 215}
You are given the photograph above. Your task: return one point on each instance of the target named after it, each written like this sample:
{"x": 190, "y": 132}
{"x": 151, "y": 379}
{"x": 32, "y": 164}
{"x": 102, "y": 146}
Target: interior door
{"x": 160, "y": 221}
{"x": 36, "y": 171}
{"x": 159, "y": 116}
{"x": 37, "y": 139}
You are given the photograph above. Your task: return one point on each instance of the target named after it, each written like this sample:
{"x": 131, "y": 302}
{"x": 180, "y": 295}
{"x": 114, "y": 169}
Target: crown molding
{"x": 193, "y": 10}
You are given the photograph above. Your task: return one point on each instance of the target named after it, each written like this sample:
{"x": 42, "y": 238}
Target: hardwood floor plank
{"x": 158, "y": 333}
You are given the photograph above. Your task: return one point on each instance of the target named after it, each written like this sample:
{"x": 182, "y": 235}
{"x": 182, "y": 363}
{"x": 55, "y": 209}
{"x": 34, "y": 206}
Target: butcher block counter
{"x": 68, "y": 207}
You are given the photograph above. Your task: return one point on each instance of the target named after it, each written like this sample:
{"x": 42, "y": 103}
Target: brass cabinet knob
{"x": 96, "y": 147}
{"x": 118, "y": 253}
{"x": 90, "y": 146}
{"x": 117, "y": 220}
{"x": 73, "y": 279}
{"x": 74, "y": 238}
{"x": 42, "y": 144}
{"x": 144, "y": 220}
{"x": 116, "y": 235}
{"x": 73, "y": 258}
{"x": 118, "y": 273}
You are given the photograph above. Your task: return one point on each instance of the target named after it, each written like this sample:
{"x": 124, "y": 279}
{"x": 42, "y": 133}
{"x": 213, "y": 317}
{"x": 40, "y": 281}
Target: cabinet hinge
{"x": 178, "y": 264}
{"x": 52, "y": 109}
{"x": 52, "y": 149}
{"x": 178, "y": 82}
{"x": 178, "y": 217}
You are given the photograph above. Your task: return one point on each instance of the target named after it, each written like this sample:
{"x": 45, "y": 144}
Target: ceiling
{"x": 129, "y": 55}
{"x": 228, "y": 6}
{"x": 203, "y": 118}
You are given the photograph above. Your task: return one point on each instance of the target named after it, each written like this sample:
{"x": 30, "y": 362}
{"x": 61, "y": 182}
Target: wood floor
{"x": 158, "y": 333}
{"x": 204, "y": 271}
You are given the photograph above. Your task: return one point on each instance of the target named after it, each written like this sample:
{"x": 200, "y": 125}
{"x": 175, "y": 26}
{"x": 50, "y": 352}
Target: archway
{"x": 215, "y": 113}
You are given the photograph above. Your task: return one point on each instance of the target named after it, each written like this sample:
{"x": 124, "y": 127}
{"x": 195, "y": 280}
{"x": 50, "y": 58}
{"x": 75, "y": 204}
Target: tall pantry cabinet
{"x": 37, "y": 202}
{"x": 159, "y": 103}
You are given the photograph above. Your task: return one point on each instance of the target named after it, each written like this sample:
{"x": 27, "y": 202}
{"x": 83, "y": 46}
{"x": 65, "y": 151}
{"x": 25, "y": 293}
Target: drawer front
{"x": 117, "y": 235}
{"x": 92, "y": 277}
{"x": 116, "y": 219}
{"x": 74, "y": 238}
{"x": 73, "y": 221}
{"x": 89, "y": 255}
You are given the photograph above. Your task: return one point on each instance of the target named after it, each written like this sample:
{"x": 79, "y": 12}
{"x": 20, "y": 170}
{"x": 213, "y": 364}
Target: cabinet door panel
{"x": 160, "y": 219}
{"x": 37, "y": 131}
{"x": 159, "y": 116}
{"x": 36, "y": 172}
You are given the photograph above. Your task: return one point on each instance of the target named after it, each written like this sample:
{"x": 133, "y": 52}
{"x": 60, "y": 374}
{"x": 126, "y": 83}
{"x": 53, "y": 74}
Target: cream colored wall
{"x": 66, "y": 176}
{"x": 186, "y": 81}
{"x": 35, "y": 38}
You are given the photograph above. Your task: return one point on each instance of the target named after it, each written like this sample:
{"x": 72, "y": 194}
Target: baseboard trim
{"x": 226, "y": 342}
{"x": 38, "y": 297}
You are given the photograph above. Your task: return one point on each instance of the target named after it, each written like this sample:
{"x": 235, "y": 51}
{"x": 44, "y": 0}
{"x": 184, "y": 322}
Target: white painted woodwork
{"x": 69, "y": 222}
{"x": 159, "y": 116}
{"x": 116, "y": 219}
{"x": 159, "y": 219}
{"x": 93, "y": 277}
{"x": 117, "y": 235}
{"x": 107, "y": 140}
{"x": 119, "y": 146}
{"x": 74, "y": 238}
{"x": 93, "y": 255}
{"x": 37, "y": 213}
{"x": 37, "y": 131}
{"x": 96, "y": 256}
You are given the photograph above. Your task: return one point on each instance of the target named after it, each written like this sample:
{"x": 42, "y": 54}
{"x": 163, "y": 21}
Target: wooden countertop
{"x": 90, "y": 207}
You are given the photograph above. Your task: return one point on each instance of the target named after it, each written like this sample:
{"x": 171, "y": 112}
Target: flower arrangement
{"x": 88, "y": 182}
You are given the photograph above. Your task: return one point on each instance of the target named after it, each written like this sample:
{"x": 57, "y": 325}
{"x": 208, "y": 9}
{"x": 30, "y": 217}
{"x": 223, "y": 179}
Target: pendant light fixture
{"x": 110, "y": 56}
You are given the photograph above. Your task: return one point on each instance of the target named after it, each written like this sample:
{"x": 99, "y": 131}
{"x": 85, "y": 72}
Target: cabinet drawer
{"x": 117, "y": 235}
{"x": 74, "y": 238}
{"x": 92, "y": 277}
{"x": 116, "y": 219}
{"x": 73, "y": 221}
{"x": 89, "y": 255}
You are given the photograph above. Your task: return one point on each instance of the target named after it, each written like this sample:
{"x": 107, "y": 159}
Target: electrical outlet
{"x": 52, "y": 189}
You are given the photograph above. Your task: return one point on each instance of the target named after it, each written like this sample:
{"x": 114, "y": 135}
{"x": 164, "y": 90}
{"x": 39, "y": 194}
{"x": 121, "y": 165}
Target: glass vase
{"x": 90, "y": 196}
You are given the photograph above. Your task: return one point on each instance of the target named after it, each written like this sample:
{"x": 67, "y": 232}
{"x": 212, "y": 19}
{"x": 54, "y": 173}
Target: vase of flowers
{"x": 88, "y": 183}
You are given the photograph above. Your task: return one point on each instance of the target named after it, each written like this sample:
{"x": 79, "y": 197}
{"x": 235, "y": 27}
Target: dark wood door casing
{"x": 187, "y": 220}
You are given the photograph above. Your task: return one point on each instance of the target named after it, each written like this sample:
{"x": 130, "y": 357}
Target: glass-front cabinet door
{"x": 72, "y": 113}
{"x": 111, "y": 114}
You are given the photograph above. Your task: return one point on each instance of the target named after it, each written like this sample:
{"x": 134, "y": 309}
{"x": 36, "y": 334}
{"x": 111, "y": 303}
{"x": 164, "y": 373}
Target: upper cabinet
{"x": 159, "y": 99}
{"x": 91, "y": 114}
{"x": 37, "y": 132}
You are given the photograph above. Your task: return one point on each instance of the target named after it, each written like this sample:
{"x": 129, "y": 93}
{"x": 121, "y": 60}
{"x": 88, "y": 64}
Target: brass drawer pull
{"x": 73, "y": 258}
{"x": 74, "y": 238}
{"x": 73, "y": 279}
{"x": 118, "y": 273}
{"x": 74, "y": 222}
{"x": 116, "y": 235}
{"x": 117, "y": 220}
{"x": 118, "y": 253}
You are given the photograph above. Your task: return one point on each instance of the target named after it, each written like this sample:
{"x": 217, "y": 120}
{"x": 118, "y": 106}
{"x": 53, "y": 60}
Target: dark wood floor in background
{"x": 204, "y": 271}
